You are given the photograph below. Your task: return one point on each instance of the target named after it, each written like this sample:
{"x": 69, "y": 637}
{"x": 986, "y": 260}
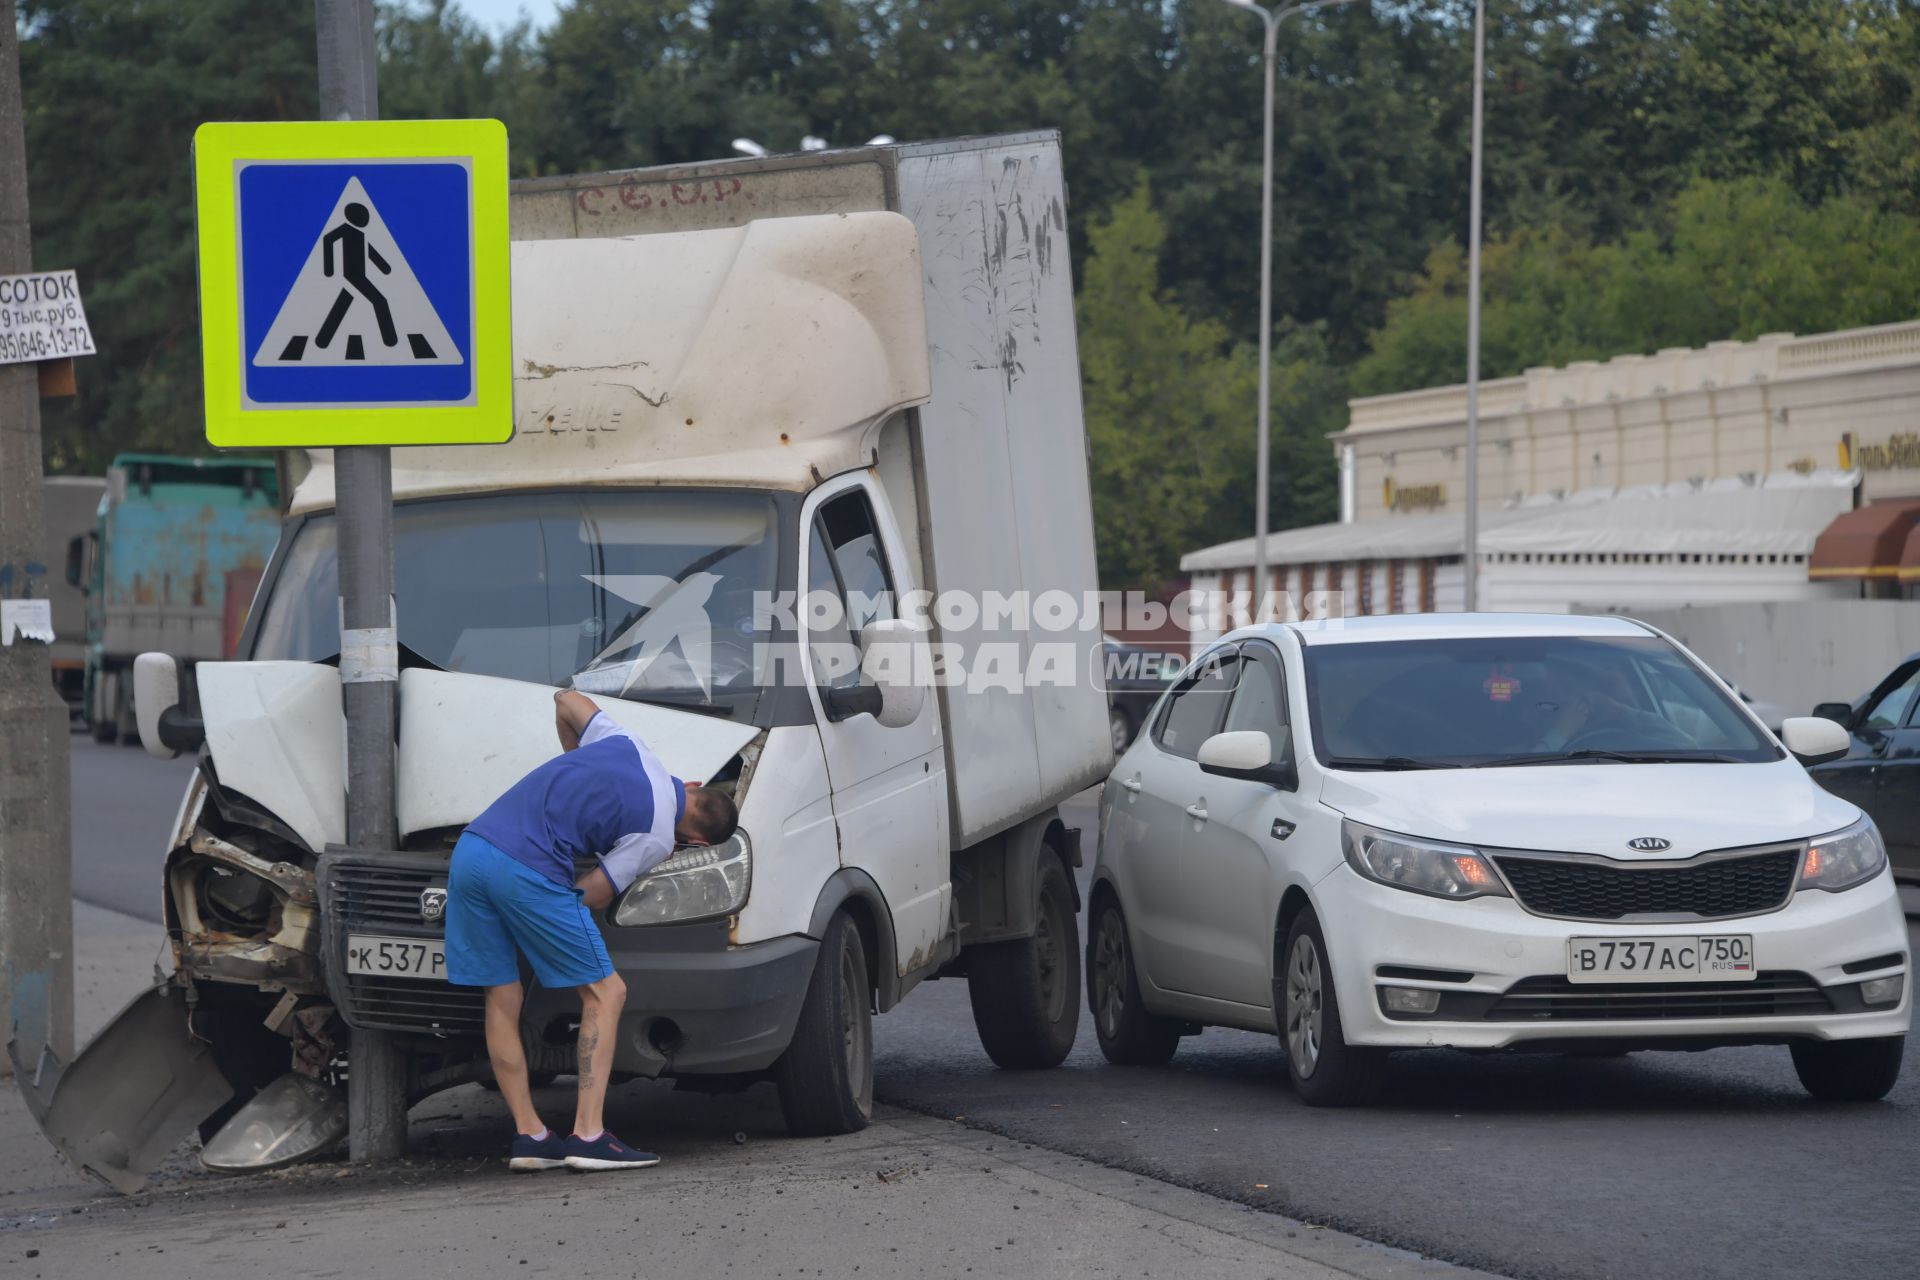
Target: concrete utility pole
{"x": 363, "y": 486}
{"x": 36, "y": 868}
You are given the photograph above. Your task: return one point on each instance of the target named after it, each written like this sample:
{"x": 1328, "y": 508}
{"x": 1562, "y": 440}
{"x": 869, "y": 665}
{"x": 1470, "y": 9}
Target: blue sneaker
{"x": 530, "y": 1155}
{"x": 606, "y": 1152}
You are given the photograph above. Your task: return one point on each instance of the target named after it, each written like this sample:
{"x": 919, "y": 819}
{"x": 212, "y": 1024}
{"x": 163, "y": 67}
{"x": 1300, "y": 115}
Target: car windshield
{"x": 1492, "y": 701}
{"x": 646, "y": 596}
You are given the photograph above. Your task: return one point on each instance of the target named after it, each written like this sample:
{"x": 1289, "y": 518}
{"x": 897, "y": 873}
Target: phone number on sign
{"x": 44, "y": 344}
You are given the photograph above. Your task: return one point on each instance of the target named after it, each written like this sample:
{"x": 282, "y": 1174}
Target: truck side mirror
{"x": 1840, "y": 713}
{"x": 77, "y": 561}
{"x": 888, "y": 656}
{"x": 165, "y": 730}
{"x": 844, "y": 702}
{"x": 1247, "y": 754}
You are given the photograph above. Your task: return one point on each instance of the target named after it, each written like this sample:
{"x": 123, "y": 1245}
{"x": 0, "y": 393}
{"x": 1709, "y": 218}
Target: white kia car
{"x": 1487, "y": 832}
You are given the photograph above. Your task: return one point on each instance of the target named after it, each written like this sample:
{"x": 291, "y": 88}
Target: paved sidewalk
{"x": 909, "y": 1196}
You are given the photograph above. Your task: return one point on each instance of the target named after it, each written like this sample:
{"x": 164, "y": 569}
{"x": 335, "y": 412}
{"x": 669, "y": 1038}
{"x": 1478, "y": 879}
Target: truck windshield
{"x": 1493, "y": 701}
{"x": 646, "y": 596}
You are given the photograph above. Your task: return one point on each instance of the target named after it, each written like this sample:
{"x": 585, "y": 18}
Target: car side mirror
{"x": 165, "y": 730}
{"x": 1247, "y": 754}
{"x": 1840, "y": 713}
{"x": 1814, "y": 739}
{"x": 889, "y": 652}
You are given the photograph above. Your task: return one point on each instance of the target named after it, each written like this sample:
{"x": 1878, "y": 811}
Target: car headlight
{"x": 694, "y": 884}
{"x": 1844, "y": 859}
{"x": 1422, "y": 866}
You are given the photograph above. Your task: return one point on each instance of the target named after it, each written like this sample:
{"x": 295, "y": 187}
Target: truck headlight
{"x": 694, "y": 884}
{"x": 1422, "y": 866}
{"x": 1844, "y": 859}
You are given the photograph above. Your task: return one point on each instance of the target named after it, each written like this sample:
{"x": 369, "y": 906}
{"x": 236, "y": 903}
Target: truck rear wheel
{"x": 1026, "y": 993}
{"x": 825, "y": 1077}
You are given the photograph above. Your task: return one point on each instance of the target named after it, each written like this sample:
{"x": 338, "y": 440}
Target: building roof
{"x": 1772, "y": 357}
{"x": 1783, "y": 516}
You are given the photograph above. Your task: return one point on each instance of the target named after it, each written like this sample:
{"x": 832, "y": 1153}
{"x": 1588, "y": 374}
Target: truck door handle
{"x": 1197, "y": 813}
{"x": 1131, "y": 784}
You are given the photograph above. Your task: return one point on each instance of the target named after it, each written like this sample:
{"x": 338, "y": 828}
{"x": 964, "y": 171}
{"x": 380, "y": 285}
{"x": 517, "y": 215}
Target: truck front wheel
{"x": 825, "y": 1077}
{"x": 1026, "y": 993}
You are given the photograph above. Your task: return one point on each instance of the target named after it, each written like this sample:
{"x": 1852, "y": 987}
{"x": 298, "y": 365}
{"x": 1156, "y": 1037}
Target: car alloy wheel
{"x": 1304, "y": 1001}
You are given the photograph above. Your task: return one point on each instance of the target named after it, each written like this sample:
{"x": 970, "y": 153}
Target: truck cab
{"x": 771, "y": 459}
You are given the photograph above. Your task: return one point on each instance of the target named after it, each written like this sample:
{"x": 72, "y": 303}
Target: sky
{"x": 498, "y": 15}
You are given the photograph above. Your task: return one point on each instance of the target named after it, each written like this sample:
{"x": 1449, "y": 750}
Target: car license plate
{"x": 424, "y": 958}
{"x": 1725, "y": 957}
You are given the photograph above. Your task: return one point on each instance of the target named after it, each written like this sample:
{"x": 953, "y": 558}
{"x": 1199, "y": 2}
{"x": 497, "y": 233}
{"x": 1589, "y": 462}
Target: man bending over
{"x": 511, "y": 892}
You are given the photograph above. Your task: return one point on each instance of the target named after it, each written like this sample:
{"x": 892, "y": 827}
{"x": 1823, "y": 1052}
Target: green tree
{"x": 115, "y": 90}
{"x": 1170, "y": 412}
{"x": 1724, "y": 259}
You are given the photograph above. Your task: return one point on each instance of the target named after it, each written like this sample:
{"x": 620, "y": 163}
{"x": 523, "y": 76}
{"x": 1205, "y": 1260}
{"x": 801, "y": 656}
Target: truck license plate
{"x": 1726, "y": 957}
{"x": 424, "y": 958}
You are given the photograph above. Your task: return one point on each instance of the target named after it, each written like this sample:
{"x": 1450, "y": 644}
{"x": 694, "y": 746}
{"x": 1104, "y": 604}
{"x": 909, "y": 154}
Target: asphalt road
{"x": 1703, "y": 1165}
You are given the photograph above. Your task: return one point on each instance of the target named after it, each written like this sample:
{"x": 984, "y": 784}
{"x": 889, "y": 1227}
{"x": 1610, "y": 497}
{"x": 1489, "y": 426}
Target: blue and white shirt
{"x": 609, "y": 798}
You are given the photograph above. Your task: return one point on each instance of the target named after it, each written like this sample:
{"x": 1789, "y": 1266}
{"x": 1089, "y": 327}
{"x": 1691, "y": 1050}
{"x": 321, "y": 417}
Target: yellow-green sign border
{"x": 483, "y": 144}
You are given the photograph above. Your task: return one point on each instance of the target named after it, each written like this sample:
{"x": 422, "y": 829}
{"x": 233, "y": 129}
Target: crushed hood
{"x": 465, "y": 739}
{"x": 277, "y": 735}
{"x": 1596, "y": 808}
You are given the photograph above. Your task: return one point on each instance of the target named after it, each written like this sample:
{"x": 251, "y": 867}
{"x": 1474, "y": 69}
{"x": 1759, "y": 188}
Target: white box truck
{"x": 760, "y": 404}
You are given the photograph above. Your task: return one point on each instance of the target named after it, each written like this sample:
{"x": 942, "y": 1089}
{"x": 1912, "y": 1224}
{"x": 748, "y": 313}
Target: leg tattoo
{"x": 589, "y": 1041}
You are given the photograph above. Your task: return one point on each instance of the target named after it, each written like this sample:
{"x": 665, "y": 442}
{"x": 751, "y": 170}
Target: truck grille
{"x": 1711, "y": 889}
{"x": 363, "y": 893}
{"x": 1771, "y": 994}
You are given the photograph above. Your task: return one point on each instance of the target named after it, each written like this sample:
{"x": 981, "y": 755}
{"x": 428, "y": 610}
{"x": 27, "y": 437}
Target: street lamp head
{"x": 748, "y": 147}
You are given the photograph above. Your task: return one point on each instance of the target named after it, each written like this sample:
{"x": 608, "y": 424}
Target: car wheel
{"x": 1121, "y": 727}
{"x": 1849, "y": 1070}
{"x": 1129, "y": 1035}
{"x": 825, "y": 1078}
{"x": 1326, "y": 1070}
{"x": 1026, "y": 994}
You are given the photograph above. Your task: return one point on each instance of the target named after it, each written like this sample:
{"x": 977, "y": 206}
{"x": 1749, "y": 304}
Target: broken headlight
{"x": 694, "y": 884}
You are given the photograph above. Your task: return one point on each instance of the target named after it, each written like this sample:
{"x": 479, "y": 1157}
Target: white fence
{"x": 1801, "y": 652}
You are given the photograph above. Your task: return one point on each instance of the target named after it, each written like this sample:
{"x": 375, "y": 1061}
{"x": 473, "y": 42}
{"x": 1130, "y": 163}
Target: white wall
{"x": 1798, "y": 654}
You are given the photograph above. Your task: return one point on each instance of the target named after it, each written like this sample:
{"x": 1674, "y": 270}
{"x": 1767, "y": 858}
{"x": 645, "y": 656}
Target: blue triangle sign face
{"x": 356, "y": 301}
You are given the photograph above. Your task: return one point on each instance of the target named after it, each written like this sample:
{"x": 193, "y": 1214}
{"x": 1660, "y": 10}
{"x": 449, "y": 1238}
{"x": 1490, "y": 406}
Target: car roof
{"x": 1443, "y": 626}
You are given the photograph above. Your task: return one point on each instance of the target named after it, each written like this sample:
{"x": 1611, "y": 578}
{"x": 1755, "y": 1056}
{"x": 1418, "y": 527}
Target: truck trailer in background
{"x": 169, "y": 565}
{"x": 70, "y": 506}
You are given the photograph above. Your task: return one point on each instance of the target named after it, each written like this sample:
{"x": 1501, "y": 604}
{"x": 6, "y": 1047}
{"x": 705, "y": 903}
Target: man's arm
{"x": 597, "y": 887}
{"x": 571, "y": 712}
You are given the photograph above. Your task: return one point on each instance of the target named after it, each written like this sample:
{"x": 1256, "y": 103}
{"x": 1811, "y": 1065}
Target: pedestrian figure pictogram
{"x": 356, "y": 299}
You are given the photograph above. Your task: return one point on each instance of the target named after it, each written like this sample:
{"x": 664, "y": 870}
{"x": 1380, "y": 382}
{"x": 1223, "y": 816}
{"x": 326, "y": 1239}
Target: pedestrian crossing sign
{"x": 353, "y": 283}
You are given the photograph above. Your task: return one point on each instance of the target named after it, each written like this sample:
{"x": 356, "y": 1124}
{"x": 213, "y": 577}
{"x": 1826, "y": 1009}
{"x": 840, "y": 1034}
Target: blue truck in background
{"x": 170, "y": 565}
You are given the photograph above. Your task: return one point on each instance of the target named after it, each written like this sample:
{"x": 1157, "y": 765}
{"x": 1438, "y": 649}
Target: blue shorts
{"x": 497, "y": 906}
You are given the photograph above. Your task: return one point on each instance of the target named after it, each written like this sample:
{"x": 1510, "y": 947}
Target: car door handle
{"x": 1131, "y": 784}
{"x": 1197, "y": 813}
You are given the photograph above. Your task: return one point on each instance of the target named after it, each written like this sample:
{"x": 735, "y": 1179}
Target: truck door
{"x": 889, "y": 784}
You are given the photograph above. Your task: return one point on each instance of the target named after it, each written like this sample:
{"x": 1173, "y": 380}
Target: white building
{"x": 1688, "y": 477}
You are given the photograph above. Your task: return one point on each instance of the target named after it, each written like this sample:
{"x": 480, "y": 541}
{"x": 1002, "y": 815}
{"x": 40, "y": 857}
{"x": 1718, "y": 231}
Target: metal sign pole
{"x": 369, "y": 658}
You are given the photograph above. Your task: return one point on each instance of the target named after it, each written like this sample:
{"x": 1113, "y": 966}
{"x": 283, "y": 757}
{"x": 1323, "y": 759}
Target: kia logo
{"x": 433, "y": 903}
{"x": 1649, "y": 844}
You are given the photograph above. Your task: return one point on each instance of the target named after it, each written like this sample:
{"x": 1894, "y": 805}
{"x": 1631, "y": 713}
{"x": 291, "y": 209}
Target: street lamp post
{"x": 1273, "y": 19}
{"x": 1470, "y": 557}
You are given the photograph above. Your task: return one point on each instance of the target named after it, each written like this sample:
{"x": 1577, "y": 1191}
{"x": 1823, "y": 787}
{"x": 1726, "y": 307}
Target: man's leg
{"x": 600, "y": 1005}
{"x": 509, "y": 1055}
